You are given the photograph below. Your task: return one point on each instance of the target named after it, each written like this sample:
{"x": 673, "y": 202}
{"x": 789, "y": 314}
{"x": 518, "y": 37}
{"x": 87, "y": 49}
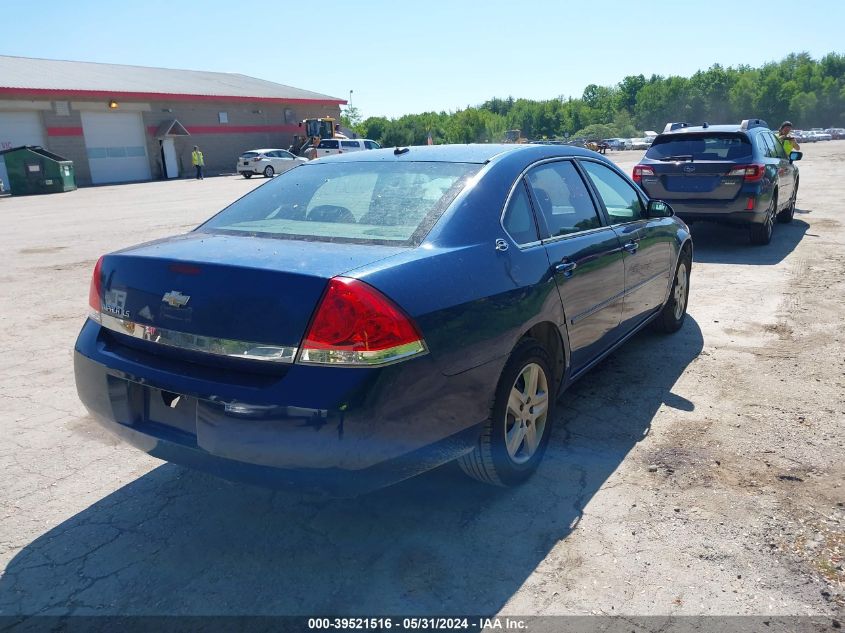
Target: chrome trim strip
{"x": 228, "y": 348}
{"x": 348, "y": 358}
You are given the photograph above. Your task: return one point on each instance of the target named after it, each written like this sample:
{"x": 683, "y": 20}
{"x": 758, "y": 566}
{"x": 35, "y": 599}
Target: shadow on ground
{"x": 176, "y": 541}
{"x": 720, "y": 244}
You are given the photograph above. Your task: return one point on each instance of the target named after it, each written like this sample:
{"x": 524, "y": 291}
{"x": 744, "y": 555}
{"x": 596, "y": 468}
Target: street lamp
{"x": 349, "y": 101}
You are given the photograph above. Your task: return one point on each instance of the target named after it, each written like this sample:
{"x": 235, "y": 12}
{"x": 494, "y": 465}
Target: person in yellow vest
{"x": 197, "y": 161}
{"x": 785, "y": 138}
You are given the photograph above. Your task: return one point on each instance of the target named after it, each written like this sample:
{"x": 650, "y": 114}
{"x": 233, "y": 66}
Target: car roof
{"x": 266, "y": 149}
{"x": 471, "y": 153}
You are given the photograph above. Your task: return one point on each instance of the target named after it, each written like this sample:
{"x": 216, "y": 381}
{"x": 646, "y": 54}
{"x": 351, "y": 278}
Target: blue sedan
{"x": 369, "y": 316}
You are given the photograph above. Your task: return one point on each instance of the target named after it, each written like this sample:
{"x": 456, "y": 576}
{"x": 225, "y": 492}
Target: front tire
{"x": 516, "y": 434}
{"x": 786, "y": 216}
{"x": 672, "y": 317}
{"x": 268, "y": 172}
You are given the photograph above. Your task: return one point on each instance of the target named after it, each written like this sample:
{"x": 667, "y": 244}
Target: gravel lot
{"x": 706, "y": 480}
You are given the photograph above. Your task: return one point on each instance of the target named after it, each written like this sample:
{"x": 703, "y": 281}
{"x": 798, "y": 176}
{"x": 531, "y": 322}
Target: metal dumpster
{"x": 32, "y": 169}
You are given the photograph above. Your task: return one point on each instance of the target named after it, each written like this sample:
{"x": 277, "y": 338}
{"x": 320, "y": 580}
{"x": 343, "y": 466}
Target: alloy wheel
{"x": 680, "y": 295}
{"x": 527, "y": 412}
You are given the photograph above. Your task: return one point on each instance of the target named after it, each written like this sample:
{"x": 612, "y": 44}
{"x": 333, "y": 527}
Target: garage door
{"x": 116, "y": 146}
{"x": 16, "y": 129}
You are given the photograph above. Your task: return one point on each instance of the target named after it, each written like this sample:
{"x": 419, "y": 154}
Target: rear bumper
{"x": 730, "y": 212}
{"x": 336, "y": 430}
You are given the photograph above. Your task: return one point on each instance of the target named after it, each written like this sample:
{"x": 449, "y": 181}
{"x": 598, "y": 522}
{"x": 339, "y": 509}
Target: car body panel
{"x": 471, "y": 298}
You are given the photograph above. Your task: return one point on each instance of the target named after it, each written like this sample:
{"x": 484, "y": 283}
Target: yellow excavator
{"x": 315, "y": 130}
{"x": 515, "y": 136}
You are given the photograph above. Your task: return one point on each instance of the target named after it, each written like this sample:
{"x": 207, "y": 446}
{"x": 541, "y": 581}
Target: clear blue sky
{"x": 404, "y": 57}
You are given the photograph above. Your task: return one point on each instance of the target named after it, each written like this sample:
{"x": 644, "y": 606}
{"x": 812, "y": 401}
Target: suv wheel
{"x": 761, "y": 234}
{"x": 517, "y": 432}
{"x": 786, "y": 216}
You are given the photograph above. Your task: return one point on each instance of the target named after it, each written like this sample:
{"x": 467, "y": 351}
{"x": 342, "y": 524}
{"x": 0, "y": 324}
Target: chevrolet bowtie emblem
{"x": 175, "y": 299}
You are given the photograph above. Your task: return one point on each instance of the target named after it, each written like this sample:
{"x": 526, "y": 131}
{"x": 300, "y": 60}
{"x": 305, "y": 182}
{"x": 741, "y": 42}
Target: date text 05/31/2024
{"x": 418, "y": 624}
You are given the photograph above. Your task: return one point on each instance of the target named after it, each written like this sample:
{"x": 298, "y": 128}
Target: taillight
{"x": 95, "y": 291}
{"x": 749, "y": 173}
{"x": 356, "y": 325}
{"x": 640, "y": 171}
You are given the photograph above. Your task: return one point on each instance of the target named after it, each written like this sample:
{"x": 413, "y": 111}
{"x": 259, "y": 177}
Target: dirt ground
{"x": 695, "y": 474}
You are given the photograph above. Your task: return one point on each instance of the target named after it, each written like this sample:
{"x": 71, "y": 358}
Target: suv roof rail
{"x": 748, "y": 124}
{"x": 671, "y": 127}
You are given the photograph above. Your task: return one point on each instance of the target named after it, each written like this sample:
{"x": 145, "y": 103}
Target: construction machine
{"x": 314, "y": 131}
{"x": 515, "y": 136}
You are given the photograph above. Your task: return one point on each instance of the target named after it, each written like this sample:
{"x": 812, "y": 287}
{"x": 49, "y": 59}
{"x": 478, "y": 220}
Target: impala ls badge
{"x": 175, "y": 299}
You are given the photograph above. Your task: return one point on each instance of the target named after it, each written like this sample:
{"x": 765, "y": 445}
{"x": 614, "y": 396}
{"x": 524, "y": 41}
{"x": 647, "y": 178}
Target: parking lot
{"x": 705, "y": 481}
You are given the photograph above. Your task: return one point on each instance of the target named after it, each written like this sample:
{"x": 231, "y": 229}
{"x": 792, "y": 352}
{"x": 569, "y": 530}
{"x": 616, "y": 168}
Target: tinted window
{"x": 621, "y": 200}
{"x": 779, "y": 151}
{"x": 350, "y": 144}
{"x": 519, "y": 218}
{"x": 711, "y": 146}
{"x": 563, "y": 199}
{"x": 328, "y": 144}
{"x": 361, "y": 202}
{"x": 249, "y": 154}
{"x": 371, "y": 145}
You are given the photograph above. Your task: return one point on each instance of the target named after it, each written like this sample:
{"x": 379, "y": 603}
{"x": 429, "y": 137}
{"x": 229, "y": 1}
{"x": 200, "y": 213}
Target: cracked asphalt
{"x": 694, "y": 474}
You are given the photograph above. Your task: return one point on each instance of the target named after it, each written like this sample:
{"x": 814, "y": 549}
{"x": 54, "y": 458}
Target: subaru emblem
{"x": 689, "y": 169}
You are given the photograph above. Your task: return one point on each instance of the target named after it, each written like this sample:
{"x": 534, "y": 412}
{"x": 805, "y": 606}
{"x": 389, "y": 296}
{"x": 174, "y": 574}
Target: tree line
{"x": 809, "y": 92}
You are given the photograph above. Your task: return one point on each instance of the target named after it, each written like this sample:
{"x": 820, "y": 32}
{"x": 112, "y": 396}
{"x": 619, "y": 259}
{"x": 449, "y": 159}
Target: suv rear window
{"x": 708, "y": 146}
{"x": 367, "y": 202}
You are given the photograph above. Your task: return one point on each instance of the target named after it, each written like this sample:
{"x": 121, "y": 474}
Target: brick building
{"x": 129, "y": 123}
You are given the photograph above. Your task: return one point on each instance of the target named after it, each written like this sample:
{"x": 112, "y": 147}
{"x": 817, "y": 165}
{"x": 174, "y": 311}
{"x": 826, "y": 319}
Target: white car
{"x": 638, "y": 143}
{"x": 329, "y": 146}
{"x": 268, "y": 162}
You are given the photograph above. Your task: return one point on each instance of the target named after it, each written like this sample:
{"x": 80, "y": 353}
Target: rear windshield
{"x": 367, "y": 202}
{"x": 711, "y": 146}
{"x": 250, "y": 154}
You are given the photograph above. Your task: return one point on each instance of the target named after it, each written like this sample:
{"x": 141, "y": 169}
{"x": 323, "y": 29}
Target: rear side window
{"x": 710, "y": 146}
{"x": 519, "y": 218}
{"x": 368, "y": 202}
{"x": 562, "y": 198}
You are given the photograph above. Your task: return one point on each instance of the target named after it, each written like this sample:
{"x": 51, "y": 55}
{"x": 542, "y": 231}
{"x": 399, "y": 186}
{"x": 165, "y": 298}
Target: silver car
{"x": 268, "y": 162}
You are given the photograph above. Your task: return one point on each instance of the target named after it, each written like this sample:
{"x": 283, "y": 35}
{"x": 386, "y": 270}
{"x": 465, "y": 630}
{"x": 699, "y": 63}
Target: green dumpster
{"x": 32, "y": 169}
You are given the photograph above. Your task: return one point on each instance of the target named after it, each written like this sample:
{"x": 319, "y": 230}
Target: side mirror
{"x": 795, "y": 156}
{"x": 659, "y": 209}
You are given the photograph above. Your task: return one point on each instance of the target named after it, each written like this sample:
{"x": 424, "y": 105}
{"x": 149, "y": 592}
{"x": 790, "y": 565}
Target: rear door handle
{"x": 566, "y": 267}
{"x": 631, "y": 247}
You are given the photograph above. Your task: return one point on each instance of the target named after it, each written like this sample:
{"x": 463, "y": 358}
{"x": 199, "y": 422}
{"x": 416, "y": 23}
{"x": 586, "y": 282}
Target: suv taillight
{"x": 95, "y": 291}
{"x": 355, "y": 325}
{"x": 749, "y": 173}
{"x": 640, "y": 171}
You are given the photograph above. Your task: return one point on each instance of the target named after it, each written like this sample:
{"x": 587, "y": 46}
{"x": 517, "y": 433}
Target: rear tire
{"x": 516, "y": 434}
{"x": 761, "y": 234}
{"x": 673, "y": 314}
{"x": 268, "y": 172}
{"x": 247, "y": 174}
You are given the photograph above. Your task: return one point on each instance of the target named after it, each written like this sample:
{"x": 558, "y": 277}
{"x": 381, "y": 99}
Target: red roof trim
{"x": 64, "y": 131}
{"x": 233, "y": 129}
{"x": 157, "y": 96}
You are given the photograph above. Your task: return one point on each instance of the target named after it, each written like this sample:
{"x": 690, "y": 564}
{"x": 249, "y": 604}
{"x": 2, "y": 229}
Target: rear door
{"x": 646, "y": 243}
{"x": 696, "y": 166}
{"x": 585, "y": 257}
